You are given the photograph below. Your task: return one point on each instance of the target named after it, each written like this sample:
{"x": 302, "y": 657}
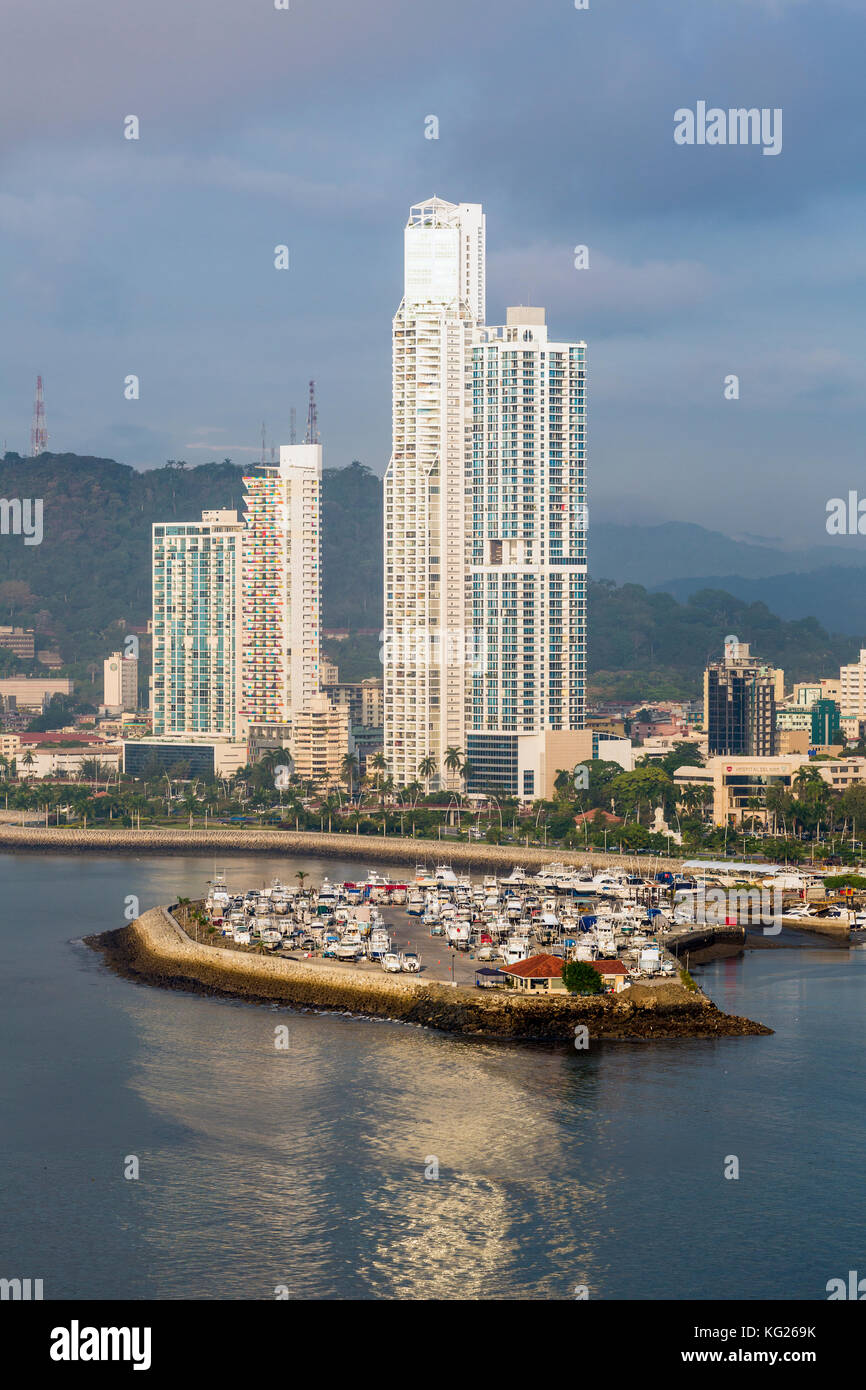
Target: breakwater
{"x": 704, "y": 939}
{"x": 155, "y": 950}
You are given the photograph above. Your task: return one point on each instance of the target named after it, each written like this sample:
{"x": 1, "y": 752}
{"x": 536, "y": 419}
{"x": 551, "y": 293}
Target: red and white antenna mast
{"x": 38, "y": 432}
{"x": 312, "y": 435}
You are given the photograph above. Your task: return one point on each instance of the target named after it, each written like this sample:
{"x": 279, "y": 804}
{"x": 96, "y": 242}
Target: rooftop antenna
{"x": 38, "y": 432}
{"x": 264, "y": 446}
{"x": 293, "y": 431}
{"x": 312, "y": 435}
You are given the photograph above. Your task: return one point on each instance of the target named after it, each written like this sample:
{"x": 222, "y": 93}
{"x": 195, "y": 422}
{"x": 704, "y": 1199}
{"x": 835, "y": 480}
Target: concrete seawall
{"x": 379, "y": 849}
{"x": 155, "y": 950}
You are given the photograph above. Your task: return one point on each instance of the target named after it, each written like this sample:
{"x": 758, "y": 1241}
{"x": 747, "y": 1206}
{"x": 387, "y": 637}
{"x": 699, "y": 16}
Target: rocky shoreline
{"x": 155, "y": 950}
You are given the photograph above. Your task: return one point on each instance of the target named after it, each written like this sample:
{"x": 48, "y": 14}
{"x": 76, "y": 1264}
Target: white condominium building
{"x": 425, "y": 554}
{"x": 485, "y": 526}
{"x": 196, "y": 625}
{"x": 281, "y": 590}
{"x": 526, "y": 470}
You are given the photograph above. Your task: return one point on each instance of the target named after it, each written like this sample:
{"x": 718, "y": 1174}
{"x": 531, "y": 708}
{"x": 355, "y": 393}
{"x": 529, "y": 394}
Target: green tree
{"x": 580, "y": 977}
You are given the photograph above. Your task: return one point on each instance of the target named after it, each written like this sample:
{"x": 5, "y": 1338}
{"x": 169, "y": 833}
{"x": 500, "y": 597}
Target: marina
{"x": 511, "y": 931}
{"x": 443, "y": 925}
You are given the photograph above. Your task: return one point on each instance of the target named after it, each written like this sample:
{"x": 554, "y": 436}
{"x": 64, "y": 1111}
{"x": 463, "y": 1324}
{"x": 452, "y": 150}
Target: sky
{"x": 305, "y": 127}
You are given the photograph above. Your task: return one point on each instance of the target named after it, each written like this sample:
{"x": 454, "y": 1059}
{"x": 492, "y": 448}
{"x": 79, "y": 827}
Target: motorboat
{"x": 410, "y": 962}
{"x": 391, "y": 963}
{"x": 516, "y": 876}
{"x": 458, "y": 935}
{"x": 446, "y": 875}
{"x": 516, "y": 948}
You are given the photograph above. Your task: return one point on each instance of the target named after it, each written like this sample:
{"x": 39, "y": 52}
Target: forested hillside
{"x": 90, "y": 577}
{"x": 89, "y": 580}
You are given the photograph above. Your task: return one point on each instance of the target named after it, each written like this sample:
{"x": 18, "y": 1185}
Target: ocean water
{"x": 375, "y": 1160}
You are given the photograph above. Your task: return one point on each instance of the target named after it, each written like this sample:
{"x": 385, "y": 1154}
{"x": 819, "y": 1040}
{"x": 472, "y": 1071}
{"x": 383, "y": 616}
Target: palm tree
{"x": 329, "y": 807}
{"x": 427, "y": 769}
{"x": 453, "y": 760}
{"x": 300, "y": 876}
{"x": 349, "y": 768}
{"x": 413, "y": 791}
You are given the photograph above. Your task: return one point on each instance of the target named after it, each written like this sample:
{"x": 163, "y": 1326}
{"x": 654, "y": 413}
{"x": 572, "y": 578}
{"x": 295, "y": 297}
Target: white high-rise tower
{"x": 526, "y": 470}
{"x": 485, "y": 527}
{"x": 425, "y": 504}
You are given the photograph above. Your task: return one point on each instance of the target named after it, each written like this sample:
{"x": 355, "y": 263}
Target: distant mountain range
{"x": 682, "y": 559}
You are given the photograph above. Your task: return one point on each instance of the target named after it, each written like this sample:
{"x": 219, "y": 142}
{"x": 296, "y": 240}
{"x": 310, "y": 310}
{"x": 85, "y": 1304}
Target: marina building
{"x": 281, "y": 592}
{"x": 196, "y": 626}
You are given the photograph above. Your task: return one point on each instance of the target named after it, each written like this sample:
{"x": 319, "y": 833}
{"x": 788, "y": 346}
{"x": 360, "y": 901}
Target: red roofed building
{"x": 537, "y": 973}
{"x": 613, "y": 972}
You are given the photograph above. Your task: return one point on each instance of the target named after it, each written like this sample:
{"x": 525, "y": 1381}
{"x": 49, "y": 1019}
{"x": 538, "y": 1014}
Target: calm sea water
{"x": 306, "y": 1168}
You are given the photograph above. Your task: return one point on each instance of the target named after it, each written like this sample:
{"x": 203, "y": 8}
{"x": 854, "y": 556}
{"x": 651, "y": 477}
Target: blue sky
{"x": 306, "y": 127}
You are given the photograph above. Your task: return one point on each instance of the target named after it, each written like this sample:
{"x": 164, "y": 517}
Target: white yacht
{"x": 446, "y": 875}
{"x": 516, "y": 876}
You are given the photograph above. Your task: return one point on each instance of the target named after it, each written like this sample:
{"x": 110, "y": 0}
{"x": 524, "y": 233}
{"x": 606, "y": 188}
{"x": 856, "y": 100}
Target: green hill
{"x": 89, "y": 580}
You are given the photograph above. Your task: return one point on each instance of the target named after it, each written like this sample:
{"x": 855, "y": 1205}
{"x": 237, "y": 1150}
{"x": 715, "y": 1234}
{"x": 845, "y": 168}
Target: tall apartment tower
{"x": 527, "y": 536}
{"x": 281, "y": 591}
{"x": 426, "y": 636}
{"x": 485, "y": 525}
{"x": 196, "y": 625}
{"x": 740, "y": 698}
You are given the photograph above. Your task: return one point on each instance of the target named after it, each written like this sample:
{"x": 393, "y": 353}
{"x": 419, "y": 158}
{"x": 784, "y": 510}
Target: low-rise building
{"x": 199, "y": 757}
{"x": 540, "y": 974}
{"x": 659, "y": 746}
{"x": 33, "y": 762}
{"x": 20, "y": 641}
{"x": 32, "y": 692}
{"x": 740, "y": 783}
{"x": 613, "y": 974}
